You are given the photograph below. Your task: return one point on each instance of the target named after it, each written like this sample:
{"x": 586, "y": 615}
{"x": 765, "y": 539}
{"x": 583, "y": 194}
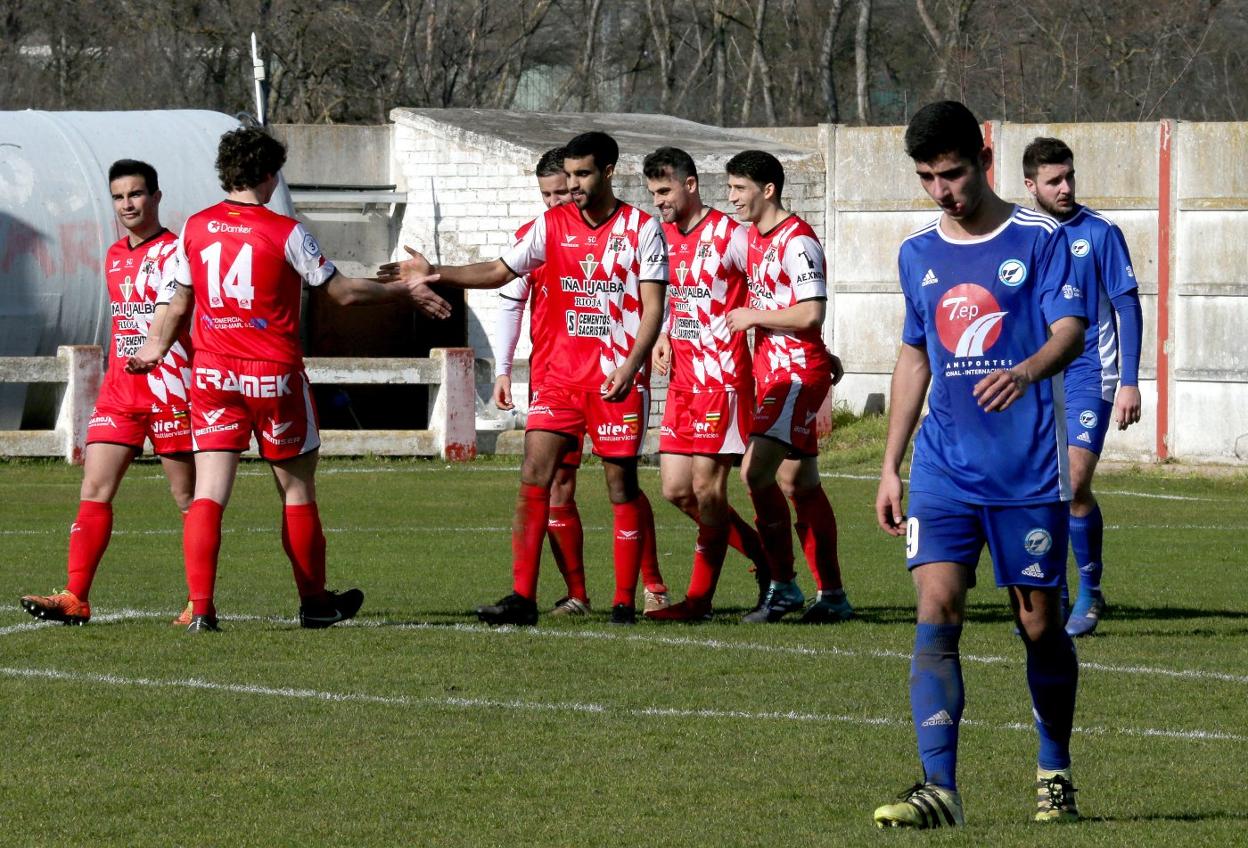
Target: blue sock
{"x": 1052, "y": 677}
{"x": 937, "y": 699}
{"x": 1086, "y": 535}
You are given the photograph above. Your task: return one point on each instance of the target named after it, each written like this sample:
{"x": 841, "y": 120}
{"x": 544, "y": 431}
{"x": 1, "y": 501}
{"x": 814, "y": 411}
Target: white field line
{"x": 667, "y": 641}
{"x": 517, "y": 705}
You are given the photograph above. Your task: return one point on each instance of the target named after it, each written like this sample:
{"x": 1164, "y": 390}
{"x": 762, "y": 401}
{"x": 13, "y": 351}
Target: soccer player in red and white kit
{"x": 245, "y": 267}
{"x": 606, "y": 271}
{"x": 794, "y": 371}
{"x": 710, "y": 398}
{"x": 130, "y": 408}
{"x": 563, "y": 528}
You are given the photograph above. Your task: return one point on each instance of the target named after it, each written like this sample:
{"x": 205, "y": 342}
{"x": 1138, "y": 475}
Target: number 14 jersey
{"x": 247, "y": 265}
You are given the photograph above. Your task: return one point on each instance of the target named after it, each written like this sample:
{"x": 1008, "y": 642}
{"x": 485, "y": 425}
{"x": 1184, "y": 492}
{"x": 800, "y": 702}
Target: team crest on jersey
{"x": 1012, "y": 272}
{"x": 1037, "y": 542}
{"x": 705, "y": 250}
{"x": 147, "y": 267}
{"x": 589, "y": 265}
{"x": 1080, "y": 248}
{"x": 616, "y": 244}
{"x": 968, "y": 320}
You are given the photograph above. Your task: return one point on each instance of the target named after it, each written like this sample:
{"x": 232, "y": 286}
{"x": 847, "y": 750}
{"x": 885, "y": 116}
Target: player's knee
{"x": 182, "y": 495}
{"x": 97, "y": 489}
{"x": 679, "y": 495}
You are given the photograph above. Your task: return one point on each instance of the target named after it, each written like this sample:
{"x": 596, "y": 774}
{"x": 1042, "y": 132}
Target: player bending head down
{"x": 243, "y": 267}
{"x": 991, "y": 315}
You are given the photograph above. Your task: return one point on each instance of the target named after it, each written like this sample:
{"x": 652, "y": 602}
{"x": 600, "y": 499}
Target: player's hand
{"x": 888, "y": 505}
{"x": 502, "y": 392}
{"x": 416, "y": 266}
{"x": 838, "y": 370}
{"x": 617, "y": 386}
{"x": 661, "y": 356}
{"x": 426, "y": 299}
{"x": 740, "y": 319}
{"x": 144, "y": 359}
{"x": 1127, "y": 406}
{"x": 1000, "y": 389}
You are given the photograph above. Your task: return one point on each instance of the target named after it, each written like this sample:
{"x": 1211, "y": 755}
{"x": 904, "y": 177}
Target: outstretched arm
{"x": 164, "y": 330}
{"x": 357, "y": 291}
{"x": 478, "y": 275}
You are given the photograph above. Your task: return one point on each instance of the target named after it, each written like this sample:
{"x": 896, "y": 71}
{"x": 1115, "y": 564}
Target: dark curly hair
{"x": 247, "y": 157}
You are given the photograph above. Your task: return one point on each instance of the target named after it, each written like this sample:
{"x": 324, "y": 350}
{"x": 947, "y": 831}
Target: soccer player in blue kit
{"x": 991, "y": 315}
{"x": 1111, "y": 354}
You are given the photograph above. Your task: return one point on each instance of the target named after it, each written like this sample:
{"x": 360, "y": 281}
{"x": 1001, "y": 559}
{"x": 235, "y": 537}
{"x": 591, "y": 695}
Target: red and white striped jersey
{"x": 247, "y": 266}
{"x": 708, "y": 281}
{"x": 786, "y": 267}
{"x": 135, "y": 277}
{"x": 592, "y": 279}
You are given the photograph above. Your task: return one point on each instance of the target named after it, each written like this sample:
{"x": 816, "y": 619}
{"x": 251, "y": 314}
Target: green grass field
{"x": 417, "y": 726}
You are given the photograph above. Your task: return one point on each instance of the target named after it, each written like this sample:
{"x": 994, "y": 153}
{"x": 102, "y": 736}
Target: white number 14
{"x": 237, "y": 282}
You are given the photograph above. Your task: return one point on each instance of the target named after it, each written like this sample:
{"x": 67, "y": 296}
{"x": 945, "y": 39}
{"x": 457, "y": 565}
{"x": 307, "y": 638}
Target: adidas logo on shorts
{"x": 938, "y": 719}
{"x": 1083, "y": 437}
{"x": 1034, "y": 570}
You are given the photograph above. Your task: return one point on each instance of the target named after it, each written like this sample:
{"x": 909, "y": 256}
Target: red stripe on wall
{"x": 1165, "y": 217}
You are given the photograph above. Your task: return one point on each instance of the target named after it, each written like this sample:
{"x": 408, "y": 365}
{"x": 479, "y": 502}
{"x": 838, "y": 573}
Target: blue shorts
{"x": 1087, "y": 421}
{"x": 1027, "y": 543}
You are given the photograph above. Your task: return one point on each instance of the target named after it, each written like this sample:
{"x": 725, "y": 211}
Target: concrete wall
{"x": 874, "y": 200}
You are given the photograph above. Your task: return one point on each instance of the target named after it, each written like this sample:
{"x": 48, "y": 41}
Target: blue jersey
{"x": 1102, "y": 268}
{"x": 978, "y": 306}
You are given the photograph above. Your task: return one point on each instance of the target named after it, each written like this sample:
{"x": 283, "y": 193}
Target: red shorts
{"x": 167, "y": 425}
{"x": 618, "y": 429}
{"x": 787, "y": 412}
{"x": 232, "y": 398}
{"x": 706, "y": 422}
{"x": 572, "y": 458}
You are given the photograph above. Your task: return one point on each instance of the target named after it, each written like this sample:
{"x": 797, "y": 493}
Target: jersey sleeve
{"x": 529, "y": 251}
{"x": 1115, "y": 260}
{"x": 652, "y": 248}
{"x": 518, "y": 289}
{"x": 168, "y": 284}
{"x": 738, "y": 249}
{"x": 913, "y": 332}
{"x": 803, "y": 262}
{"x": 1061, "y": 294}
{"x": 506, "y": 334}
{"x": 303, "y": 253}
{"x": 181, "y": 266}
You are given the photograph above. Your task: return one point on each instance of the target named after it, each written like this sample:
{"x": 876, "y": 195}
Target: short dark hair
{"x": 135, "y": 168}
{"x": 551, "y": 162}
{"x": 1045, "y": 151}
{"x": 247, "y": 157}
{"x": 597, "y": 144}
{"x": 656, "y": 165}
{"x": 945, "y": 126}
{"x": 759, "y": 166}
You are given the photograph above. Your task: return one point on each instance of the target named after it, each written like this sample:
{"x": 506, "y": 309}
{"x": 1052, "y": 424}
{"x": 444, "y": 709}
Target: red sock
{"x": 708, "y": 560}
{"x": 744, "y": 538}
{"x": 88, "y": 539}
{"x": 201, "y": 545}
{"x": 527, "y": 534}
{"x": 772, "y": 520}
{"x": 650, "y": 573}
{"x": 816, "y": 528}
{"x": 304, "y": 542}
{"x": 629, "y": 542}
{"x": 567, "y": 543}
